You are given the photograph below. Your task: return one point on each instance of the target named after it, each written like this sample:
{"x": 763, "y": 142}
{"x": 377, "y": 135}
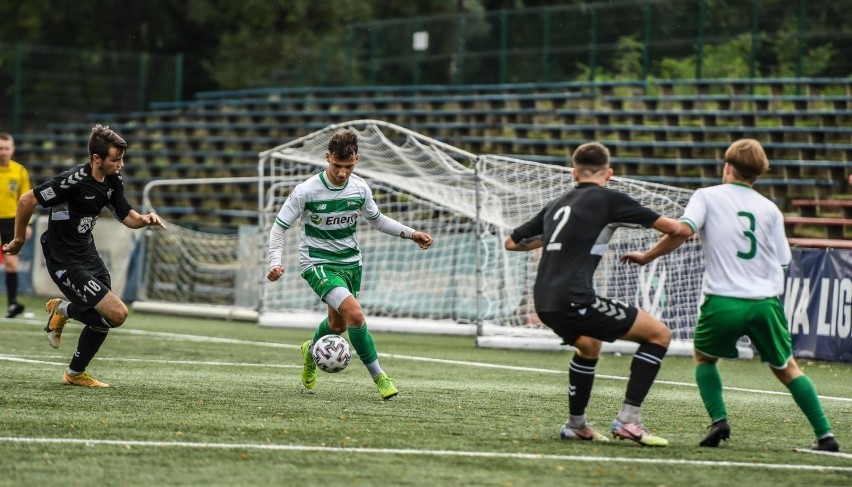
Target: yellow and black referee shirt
{"x": 14, "y": 181}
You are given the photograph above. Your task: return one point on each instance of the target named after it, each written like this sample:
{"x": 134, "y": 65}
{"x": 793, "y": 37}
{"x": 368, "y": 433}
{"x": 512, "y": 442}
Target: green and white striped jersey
{"x": 329, "y": 217}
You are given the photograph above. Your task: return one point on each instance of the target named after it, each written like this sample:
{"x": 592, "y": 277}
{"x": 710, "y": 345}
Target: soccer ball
{"x": 331, "y": 353}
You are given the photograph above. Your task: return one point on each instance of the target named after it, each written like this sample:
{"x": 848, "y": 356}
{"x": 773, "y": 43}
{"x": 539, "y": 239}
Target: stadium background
{"x": 667, "y": 85}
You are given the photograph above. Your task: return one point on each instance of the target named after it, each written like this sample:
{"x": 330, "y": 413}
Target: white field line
{"x": 234, "y": 341}
{"x": 413, "y": 452}
{"x": 824, "y": 453}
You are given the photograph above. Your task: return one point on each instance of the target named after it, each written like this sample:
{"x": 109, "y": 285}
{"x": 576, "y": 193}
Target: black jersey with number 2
{"x": 575, "y": 229}
{"x": 76, "y": 199}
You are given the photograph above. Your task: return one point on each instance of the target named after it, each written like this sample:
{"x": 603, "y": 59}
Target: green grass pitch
{"x": 208, "y": 402}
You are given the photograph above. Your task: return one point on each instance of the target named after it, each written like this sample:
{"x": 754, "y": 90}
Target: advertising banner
{"x": 818, "y": 304}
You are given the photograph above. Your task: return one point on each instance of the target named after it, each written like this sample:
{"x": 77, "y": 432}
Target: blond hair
{"x": 748, "y": 159}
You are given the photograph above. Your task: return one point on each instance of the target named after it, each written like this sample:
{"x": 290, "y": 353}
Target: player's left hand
{"x": 13, "y": 247}
{"x": 153, "y": 219}
{"x": 423, "y": 239}
{"x": 634, "y": 258}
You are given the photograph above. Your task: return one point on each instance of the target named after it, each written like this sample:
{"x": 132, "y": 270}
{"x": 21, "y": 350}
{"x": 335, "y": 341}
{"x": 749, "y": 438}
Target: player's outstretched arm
{"x": 136, "y": 220}
{"x": 26, "y": 205}
{"x": 522, "y": 246}
{"x": 276, "y": 245}
{"x": 423, "y": 239}
{"x": 675, "y": 234}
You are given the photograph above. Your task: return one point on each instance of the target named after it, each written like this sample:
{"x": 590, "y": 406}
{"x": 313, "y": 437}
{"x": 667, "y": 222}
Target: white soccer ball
{"x": 331, "y": 353}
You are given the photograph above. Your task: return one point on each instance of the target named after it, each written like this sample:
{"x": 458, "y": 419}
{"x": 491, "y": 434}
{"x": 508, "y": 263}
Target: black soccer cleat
{"x": 829, "y": 443}
{"x": 14, "y": 310}
{"x": 720, "y": 430}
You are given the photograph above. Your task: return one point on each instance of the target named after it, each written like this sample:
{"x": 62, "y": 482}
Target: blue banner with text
{"x": 818, "y": 304}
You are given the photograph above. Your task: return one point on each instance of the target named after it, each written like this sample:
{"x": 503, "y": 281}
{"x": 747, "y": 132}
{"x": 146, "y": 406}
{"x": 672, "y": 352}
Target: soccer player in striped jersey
{"x": 745, "y": 253}
{"x": 328, "y": 205}
{"x": 574, "y": 230}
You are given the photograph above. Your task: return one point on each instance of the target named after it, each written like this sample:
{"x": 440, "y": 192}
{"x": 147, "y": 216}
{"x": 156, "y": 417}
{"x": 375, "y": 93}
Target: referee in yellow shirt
{"x": 14, "y": 181}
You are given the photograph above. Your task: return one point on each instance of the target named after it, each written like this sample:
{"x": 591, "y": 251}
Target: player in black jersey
{"x": 76, "y": 198}
{"x": 574, "y": 230}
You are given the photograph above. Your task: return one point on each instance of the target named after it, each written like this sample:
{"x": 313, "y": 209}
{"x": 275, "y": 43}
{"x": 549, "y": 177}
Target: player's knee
{"x": 789, "y": 373}
{"x": 355, "y": 318}
{"x": 701, "y": 359}
{"x": 117, "y": 316}
{"x": 588, "y": 347}
{"x": 337, "y": 326}
{"x": 665, "y": 336}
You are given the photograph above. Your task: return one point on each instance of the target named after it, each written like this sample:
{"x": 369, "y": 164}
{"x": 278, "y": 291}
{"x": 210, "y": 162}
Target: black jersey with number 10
{"x": 76, "y": 199}
{"x": 575, "y": 229}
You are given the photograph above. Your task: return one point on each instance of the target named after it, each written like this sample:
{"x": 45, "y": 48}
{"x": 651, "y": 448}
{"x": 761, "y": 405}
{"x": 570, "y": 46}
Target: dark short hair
{"x": 102, "y": 138}
{"x": 591, "y": 154}
{"x": 5, "y": 136}
{"x": 343, "y": 145}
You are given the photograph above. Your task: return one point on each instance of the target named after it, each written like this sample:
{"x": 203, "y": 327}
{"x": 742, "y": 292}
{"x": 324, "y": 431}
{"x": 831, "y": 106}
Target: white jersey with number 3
{"x": 745, "y": 246}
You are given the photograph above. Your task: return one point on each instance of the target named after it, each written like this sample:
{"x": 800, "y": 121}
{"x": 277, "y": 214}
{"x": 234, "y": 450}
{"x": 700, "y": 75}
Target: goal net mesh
{"x": 469, "y": 204}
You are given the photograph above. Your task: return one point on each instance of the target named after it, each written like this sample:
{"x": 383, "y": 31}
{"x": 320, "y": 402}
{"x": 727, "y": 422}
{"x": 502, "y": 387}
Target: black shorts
{"x": 85, "y": 281}
{"x": 7, "y": 230}
{"x": 605, "y": 319}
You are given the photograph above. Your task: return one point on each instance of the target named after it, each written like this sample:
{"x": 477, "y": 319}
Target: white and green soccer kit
{"x": 329, "y": 255}
{"x": 745, "y": 252}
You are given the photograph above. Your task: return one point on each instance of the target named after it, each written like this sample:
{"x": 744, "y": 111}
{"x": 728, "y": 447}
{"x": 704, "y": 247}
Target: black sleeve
{"x": 118, "y": 203}
{"x": 530, "y": 229}
{"x": 624, "y": 209}
{"x": 58, "y": 189}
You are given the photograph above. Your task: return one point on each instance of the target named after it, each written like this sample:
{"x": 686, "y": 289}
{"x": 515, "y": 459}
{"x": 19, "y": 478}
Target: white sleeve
{"x": 287, "y": 215}
{"x": 779, "y": 240}
{"x": 390, "y": 226}
{"x": 381, "y": 222}
{"x": 695, "y": 212}
{"x": 276, "y": 244}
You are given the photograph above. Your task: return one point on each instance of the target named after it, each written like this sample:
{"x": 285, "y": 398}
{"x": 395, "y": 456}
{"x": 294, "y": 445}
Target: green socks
{"x": 363, "y": 343}
{"x": 806, "y": 398}
{"x": 322, "y": 330}
{"x": 802, "y": 389}
{"x": 710, "y": 387}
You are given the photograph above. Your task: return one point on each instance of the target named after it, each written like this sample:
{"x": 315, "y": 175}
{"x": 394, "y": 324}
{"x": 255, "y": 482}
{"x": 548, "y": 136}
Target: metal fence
{"x": 39, "y": 85}
{"x": 632, "y": 39}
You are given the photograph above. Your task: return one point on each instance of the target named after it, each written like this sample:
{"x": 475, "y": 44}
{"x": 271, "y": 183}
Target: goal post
{"x": 466, "y": 283}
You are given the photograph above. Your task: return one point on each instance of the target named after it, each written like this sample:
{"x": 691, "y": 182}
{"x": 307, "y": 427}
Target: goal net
{"x": 469, "y": 203}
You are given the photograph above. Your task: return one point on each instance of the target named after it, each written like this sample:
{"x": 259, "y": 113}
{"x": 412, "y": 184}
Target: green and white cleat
{"x": 386, "y": 387}
{"x": 309, "y": 367}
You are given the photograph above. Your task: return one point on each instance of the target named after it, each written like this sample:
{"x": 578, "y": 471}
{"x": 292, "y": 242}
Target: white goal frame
{"x": 492, "y": 214}
{"x": 490, "y": 195}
